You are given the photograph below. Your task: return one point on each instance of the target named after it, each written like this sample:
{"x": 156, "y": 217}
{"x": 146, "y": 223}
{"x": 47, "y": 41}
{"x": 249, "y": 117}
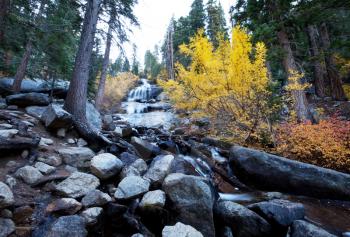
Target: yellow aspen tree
{"x": 229, "y": 83}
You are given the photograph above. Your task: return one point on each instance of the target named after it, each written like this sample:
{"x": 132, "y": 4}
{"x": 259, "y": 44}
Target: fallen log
{"x": 18, "y": 143}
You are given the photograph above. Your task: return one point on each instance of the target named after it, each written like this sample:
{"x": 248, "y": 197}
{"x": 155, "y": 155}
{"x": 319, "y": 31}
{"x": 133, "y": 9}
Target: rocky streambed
{"x": 154, "y": 180}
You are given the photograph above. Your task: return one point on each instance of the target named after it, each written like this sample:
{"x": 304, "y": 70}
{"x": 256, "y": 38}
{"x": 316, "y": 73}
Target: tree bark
{"x": 301, "y": 104}
{"x": 319, "y": 69}
{"x": 101, "y": 86}
{"x": 21, "y": 70}
{"x": 75, "y": 102}
{"x": 337, "y": 90}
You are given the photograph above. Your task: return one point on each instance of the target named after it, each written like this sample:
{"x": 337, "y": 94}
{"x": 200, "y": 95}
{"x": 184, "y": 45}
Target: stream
{"x": 144, "y": 108}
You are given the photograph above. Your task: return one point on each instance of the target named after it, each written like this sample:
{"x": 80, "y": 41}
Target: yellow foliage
{"x": 294, "y": 82}
{"x": 229, "y": 83}
{"x": 343, "y": 64}
{"x": 117, "y": 88}
{"x": 347, "y": 90}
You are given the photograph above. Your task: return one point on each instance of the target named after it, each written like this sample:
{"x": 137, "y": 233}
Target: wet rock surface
{"x": 287, "y": 175}
{"x": 193, "y": 198}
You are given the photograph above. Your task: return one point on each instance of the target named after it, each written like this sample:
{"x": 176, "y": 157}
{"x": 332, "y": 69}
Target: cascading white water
{"x": 141, "y": 93}
{"x": 137, "y": 105}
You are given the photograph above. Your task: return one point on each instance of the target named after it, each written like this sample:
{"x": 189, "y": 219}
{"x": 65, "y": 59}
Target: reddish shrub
{"x": 325, "y": 144}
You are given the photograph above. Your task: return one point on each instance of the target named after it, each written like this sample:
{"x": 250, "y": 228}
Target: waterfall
{"x": 141, "y": 93}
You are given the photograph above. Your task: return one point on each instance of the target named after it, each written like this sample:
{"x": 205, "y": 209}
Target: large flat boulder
{"x": 193, "y": 198}
{"x": 28, "y": 99}
{"x": 59, "y": 88}
{"x": 77, "y": 185}
{"x": 275, "y": 173}
{"x": 79, "y": 157}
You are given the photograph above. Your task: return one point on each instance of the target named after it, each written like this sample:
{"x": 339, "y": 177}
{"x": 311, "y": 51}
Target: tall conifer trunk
{"x": 318, "y": 61}
{"x": 337, "y": 90}
{"x": 301, "y": 104}
{"x": 21, "y": 70}
{"x": 102, "y": 83}
{"x": 75, "y": 102}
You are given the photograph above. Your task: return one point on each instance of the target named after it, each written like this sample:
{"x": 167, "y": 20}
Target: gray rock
{"x": 12, "y": 107}
{"x": 28, "y": 174}
{"x": 137, "y": 235}
{"x": 8, "y": 133}
{"x": 70, "y": 141}
{"x": 93, "y": 116}
{"x": 243, "y": 222}
{"x": 6, "y": 196}
{"x": 45, "y": 142}
{"x": 91, "y": 215}
{"x": 280, "y": 212}
{"x": 81, "y": 142}
{"x": 180, "y": 230}
{"x": 51, "y": 160}
{"x": 304, "y": 229}
{"x": 55, "y": 117}
{"x": 129, "y": 171}
{"x": 193, "y": 199}
{"x": 6, "y": 227}
{"x": 145, "y": 149}
{"x": 159, "y": 169}
{"x": 70, "y": 169}
{"x": 153, "y": 199}
{"x": 286, "y": 175}
{"x": 128, "y": 158}
{"x": 3, "y": 105}
{"x": 10, "y": 181}
{"x": 36, "y": 111}
{"x": 106, "y": 165}
{"x": 123, "y": 131}
{"x": 28, "y": 99}
{"x": 6, "y": 126}
{"x": 68, "y": 226}
{"x": 44, "y": 168}
{"x": 131, "y": 187}
{"x": 34, "y": 85}
{"x": 79, "y": 157}
{"x": 61, "y": 132}
{"x": 137, "y": 168}
{"x": 65, "y": 206}
{"x": 77, "y": 185}
{"x": 95, "y": 198}
{"x": 6, "y": 213}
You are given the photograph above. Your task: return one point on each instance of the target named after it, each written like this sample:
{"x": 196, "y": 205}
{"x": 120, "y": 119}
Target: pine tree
{"x": 126, "y": 66}
{"x": 216, "y": 22}
{"x": 135, "y": 63}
